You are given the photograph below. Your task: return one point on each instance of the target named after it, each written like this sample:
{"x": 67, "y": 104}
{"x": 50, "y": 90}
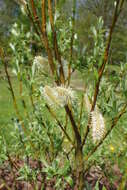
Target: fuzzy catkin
{"x": 97, "y": 125}
{"x": 58, "y": 96}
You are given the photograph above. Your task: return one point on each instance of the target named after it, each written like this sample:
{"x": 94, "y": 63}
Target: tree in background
{"x": 8, "y": 14}
{"x": 89, "y": 11}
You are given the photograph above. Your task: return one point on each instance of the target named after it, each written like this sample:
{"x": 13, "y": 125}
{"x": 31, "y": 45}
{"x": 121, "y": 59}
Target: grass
{"x": 6, "y": 104}
{"x": 7, "y": 111}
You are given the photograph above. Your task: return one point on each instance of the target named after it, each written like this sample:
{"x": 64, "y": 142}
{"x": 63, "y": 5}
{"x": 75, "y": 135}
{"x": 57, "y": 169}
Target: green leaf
{"x": 69, "y": 180}
{"x": 97, "y": 186}
{"x": 104, "y": 188}
{"x": 96, "y": 74}
{"x": 58, "y": 182}
{"x": 94, "y": 31}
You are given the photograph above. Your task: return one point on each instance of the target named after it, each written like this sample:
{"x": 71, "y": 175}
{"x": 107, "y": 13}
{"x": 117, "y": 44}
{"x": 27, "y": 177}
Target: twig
{"x": 45, "y": 37}
{"x": 49, "y": 135}
{"x": 56, "y": 49}
{"x": 74, "y": 126}
{"x": 31, "y": 19}
{"x": 10, "y": 85}
{"x": 121, "y": 6}
{"x": 59, "y": 124}
{"x": 72, "y": 41}
{"x": 35, "y": 15}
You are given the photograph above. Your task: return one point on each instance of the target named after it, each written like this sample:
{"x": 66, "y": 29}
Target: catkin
{"x": 58, "y": 96}
{"x": 97, "y": 125}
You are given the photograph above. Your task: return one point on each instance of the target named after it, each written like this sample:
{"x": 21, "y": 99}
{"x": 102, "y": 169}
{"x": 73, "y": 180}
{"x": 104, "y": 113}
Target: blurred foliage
{"x": 8, "y": 14}
{"x": 87, "y": 14}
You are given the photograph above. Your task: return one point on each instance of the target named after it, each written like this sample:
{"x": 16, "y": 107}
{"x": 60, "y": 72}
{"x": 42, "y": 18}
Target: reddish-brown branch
{"x": 9, "y": 82}
{"x": 72, "y": 41}
{"x": 32, "y": 21}
{"x": 45, "y": 37}
{"x": 75, "y": 128}
{"x": 56, "y": 49}
{"x": 35, "y": 15}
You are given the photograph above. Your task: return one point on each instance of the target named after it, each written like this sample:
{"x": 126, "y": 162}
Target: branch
{"x": 36, "y": 19}
{"x": 48, "y": 134}
{"x": 56, "y": 49}
{"x": 45, "y": 37}
{"x": 114, "y": 122}
{"x": 10, "y": 84}
{"x": 72, "y": 41}
{"x": 74, "y": 126}
{"x": 31, "y": 19}
{"x": 121, "y": 6}
{"x": 104, "y": 62}
{"x": 59, "y": 124}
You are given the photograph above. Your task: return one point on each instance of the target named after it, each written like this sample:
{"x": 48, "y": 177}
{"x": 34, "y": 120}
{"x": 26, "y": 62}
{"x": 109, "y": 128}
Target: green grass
{"x": 7, "y": 111}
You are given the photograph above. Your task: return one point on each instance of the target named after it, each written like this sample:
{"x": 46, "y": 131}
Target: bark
{"x": 79, "y": 169}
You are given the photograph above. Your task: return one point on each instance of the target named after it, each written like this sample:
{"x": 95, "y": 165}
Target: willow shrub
{"x": 66, "y": 130}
